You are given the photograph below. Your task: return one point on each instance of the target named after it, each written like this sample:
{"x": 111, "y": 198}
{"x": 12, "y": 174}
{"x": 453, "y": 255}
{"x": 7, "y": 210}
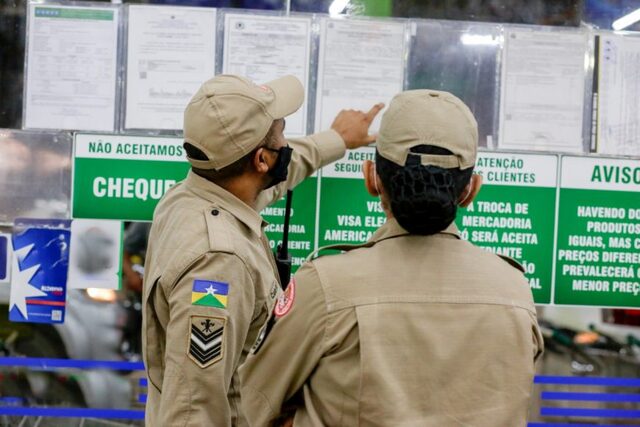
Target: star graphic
{"x": 210, "y": 290}
{"x": 20, "y": 287}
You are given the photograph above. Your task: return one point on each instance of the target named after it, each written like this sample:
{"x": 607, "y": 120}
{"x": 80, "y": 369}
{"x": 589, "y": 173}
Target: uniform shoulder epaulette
{"x": 337, "y": 247}
{"x": 220, "y": 240}
{"x": 512, "y": 262}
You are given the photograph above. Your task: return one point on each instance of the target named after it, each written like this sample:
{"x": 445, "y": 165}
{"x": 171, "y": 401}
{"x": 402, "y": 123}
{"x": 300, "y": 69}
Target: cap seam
{"x": 423, "y": 140}
{"x": 222, "y": 119}
{"x": 393, "y": 117}
{"x": 465, "y": 113}
{"x": 264, "y": 110}
{"x": 220, "y": 116}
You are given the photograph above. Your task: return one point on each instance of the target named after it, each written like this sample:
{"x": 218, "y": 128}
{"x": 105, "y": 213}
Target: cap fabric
{"x": 429, "y": 117}
{"x": 229, "y": 116}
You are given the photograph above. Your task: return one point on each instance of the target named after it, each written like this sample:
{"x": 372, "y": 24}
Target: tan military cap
{"x": 229, "y": 116}
{"x": 429, "y": 117}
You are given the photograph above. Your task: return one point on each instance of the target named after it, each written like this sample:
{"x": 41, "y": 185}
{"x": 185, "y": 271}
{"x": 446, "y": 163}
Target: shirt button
{"x": 215, "y": 212}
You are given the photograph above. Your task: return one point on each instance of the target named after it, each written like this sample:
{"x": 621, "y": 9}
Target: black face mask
{"x": 279, "y": 171}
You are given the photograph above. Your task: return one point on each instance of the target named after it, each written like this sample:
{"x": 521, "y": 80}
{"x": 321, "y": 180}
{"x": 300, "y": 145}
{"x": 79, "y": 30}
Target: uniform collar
{"x": 393, "y": 229}
{"x": 225, "y": 200}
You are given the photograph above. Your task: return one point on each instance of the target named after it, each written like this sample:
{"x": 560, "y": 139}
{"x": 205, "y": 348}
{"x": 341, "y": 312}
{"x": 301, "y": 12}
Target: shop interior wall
{"x": 469, "y": 72}
{"x": 564, "y": 13}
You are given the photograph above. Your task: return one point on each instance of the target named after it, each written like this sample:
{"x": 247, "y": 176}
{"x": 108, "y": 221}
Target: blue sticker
{"x": 39, "y": 273}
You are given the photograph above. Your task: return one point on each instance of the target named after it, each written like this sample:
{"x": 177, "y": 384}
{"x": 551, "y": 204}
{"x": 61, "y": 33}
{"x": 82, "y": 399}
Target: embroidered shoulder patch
{"x": 285, "y": 301}
{"x": 210, "y": 293}
{"x": 206, "y": 340}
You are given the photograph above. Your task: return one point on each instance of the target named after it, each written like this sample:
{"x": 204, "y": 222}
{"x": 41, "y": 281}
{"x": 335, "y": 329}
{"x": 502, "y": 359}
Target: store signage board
{"x": 347, "y": 213}
{"x": 39, "y": 270}
{"x": 302, "y": 236}
{"x": 124, "y": 177}
{"x": 598, "y": 254}
{"x": 578, "y": 241}
{"x": 513, "y": 215}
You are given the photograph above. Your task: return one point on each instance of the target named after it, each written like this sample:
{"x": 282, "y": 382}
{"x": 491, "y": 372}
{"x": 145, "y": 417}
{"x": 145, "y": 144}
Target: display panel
{"x": 35, "y": 175}
{"x": 543, "y": 89}
{"x": 95, "y": 257}
{"x": 361, "y": 63}
{"x": 618, "y": 91}
{"x": 71, "y": 67}
{"x": 170, "y": 53}
{"x": 461, "y": 58}
{"x": 263, "y": 48}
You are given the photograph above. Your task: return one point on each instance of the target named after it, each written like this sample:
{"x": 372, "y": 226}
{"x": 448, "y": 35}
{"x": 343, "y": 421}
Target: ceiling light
{"x": 337, "y": 7}
{"x": 625, "y": 21}
{"x": 477, "y": 39}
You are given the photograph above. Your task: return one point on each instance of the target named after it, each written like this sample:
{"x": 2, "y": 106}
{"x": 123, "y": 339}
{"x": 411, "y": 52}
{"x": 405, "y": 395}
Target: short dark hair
{"x": 423, "y": 199}
{"x": 233, "y": 170}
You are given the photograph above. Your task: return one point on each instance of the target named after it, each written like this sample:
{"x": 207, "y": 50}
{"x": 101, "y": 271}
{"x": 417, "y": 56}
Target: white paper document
{"x": 95, "y": 254}
{"x": 543, "y": 86}
{"x": 619, "y": 96}
{"x": 71, "y": 68}
{"x": 263, "y": 48}
{"x": 171, "y": 52}
{"x": 360, "y": 64}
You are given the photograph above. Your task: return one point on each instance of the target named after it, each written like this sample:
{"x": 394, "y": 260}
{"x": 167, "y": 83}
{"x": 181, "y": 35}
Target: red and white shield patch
{"x": 285, "y": 301}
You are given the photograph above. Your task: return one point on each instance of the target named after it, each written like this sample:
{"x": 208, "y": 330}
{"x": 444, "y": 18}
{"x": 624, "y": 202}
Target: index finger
{"x": 373, "y": 112}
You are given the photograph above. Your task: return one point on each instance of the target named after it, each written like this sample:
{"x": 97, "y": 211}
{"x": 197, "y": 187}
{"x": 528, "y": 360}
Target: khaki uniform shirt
{"x": 405, "y": 330}
{"x": 210, "y": 283}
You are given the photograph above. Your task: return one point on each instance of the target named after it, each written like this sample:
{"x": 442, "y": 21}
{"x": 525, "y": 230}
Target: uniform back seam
{"x": 333, "y": 307}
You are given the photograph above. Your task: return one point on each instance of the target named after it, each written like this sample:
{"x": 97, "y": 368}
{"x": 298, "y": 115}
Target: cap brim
{"x": 289, "y": 96}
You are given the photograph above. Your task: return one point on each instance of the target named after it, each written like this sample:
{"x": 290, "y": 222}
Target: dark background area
{"x": 568, "y": 13}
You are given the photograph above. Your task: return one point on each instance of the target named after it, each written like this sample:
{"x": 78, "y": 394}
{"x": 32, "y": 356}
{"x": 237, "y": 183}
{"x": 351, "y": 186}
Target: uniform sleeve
{"x": 210, "y": 309}
{"x": 292, "y": 349}
{"x": 309, "y": 154}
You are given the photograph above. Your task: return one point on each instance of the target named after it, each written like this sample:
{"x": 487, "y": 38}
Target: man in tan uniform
{"x": 210, "y": 278}
{"x": 416, "y": 327}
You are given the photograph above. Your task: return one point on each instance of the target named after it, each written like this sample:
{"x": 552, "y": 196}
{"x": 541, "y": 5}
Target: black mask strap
{"x": 280, "y": 169}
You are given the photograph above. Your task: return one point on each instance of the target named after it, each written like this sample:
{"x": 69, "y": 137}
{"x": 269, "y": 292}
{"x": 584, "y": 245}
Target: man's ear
{"x": 260, "y": 161}
{"x": 368, "y": 170}
{"x": 470, "y": 191}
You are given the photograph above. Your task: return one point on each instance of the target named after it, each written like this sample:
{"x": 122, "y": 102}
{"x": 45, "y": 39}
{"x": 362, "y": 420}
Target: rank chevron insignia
{"x": 206, "y": 340}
